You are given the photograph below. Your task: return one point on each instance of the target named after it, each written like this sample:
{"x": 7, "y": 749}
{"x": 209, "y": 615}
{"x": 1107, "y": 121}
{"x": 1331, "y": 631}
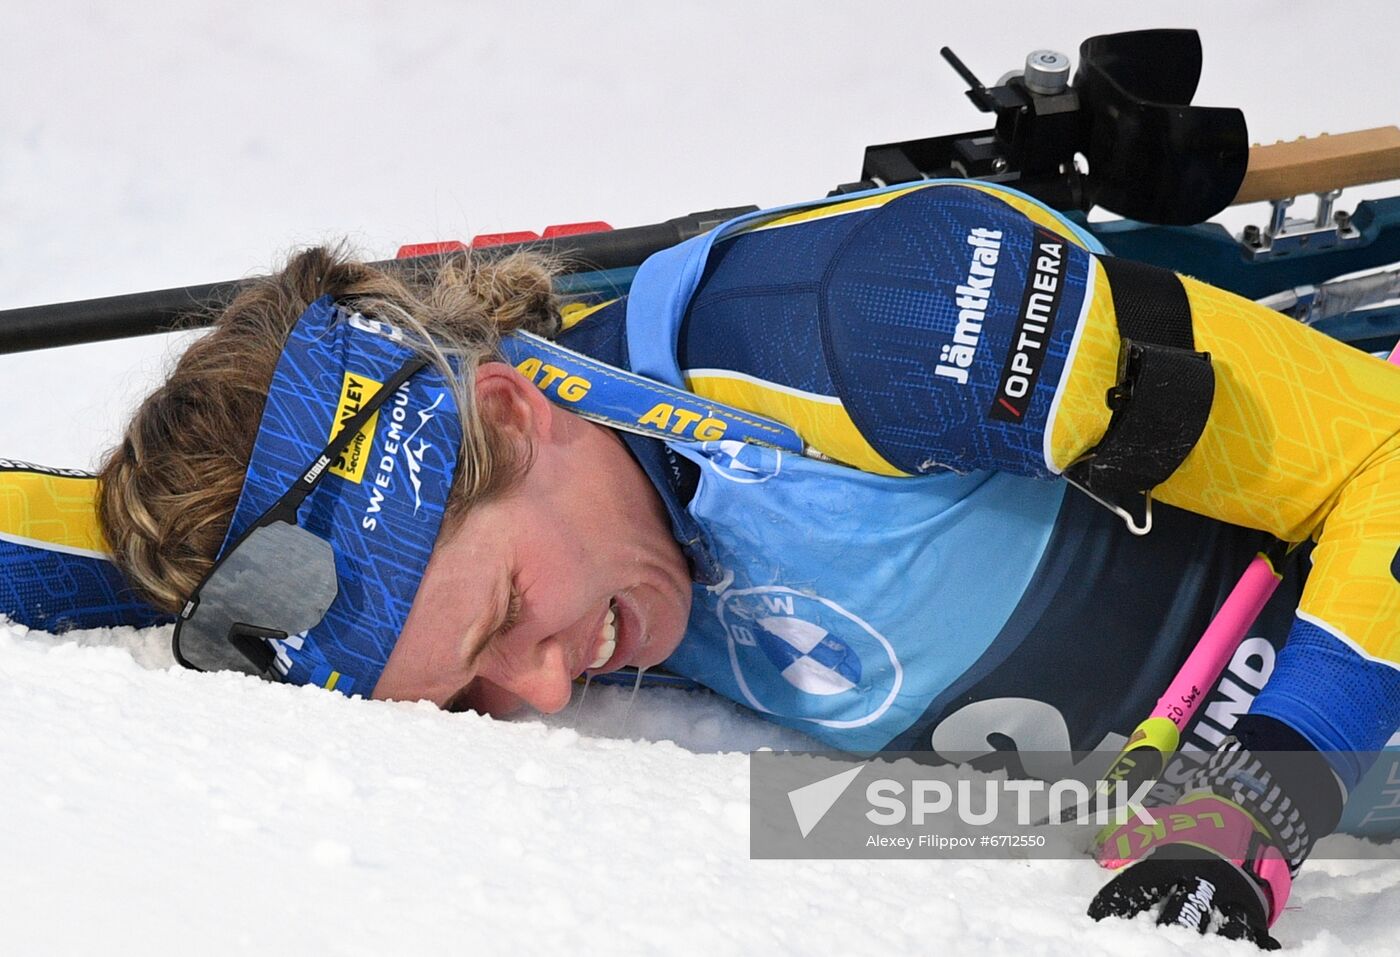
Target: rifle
{"x": 1122, "y": 136}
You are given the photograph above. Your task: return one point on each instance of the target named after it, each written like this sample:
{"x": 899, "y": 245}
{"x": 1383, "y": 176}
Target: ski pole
{"x": 1155, "y": 739}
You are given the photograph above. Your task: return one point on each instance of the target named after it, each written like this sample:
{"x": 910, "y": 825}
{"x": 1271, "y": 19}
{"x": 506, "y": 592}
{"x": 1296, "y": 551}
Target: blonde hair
{"x": 167, "y": 493}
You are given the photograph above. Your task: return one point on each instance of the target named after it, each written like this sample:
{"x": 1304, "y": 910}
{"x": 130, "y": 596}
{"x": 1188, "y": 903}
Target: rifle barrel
{"x": 188, "y": 307}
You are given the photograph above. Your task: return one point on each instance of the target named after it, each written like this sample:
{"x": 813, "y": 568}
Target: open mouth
{"x": 607, "y": 638}
{"x": 621, "y": 637}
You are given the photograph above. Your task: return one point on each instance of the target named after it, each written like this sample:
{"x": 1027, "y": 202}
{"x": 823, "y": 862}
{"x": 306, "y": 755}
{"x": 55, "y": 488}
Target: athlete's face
{"x": 572, "y": 570}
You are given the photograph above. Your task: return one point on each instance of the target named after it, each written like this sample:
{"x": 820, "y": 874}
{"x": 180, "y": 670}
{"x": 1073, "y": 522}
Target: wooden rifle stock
{"x": 1320, "y": 164}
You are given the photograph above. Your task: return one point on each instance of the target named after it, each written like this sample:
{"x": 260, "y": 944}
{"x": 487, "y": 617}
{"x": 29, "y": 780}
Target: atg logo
{"x": 804, "y": 656}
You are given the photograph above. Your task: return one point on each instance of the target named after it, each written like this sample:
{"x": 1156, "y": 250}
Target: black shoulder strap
{"x": 1150, "y": 303}
{"x": 1164, "y": 391}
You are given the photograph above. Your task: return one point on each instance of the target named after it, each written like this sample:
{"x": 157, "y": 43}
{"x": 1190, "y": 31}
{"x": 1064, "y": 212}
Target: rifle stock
{"x": 1320, "y": 163}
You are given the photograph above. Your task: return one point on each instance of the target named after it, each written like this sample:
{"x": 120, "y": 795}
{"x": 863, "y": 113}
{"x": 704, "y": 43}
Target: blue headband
{"x": 383, "y": 503}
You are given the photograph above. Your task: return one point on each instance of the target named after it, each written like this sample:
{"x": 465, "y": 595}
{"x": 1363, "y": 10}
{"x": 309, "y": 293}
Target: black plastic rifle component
{"x": 1122, "y": 136}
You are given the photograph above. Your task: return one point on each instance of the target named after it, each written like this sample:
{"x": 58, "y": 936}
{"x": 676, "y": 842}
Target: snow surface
{"x": 148, "y": 810}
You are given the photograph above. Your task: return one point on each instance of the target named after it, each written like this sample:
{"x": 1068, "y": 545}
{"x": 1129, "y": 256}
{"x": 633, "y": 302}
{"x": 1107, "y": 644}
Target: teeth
{"x": 609, "y": 636}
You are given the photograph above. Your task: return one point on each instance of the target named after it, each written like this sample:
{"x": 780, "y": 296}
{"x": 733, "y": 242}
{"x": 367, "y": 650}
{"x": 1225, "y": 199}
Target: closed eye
{"x": 461, "y": 701}
{"x": 509, "y": 620}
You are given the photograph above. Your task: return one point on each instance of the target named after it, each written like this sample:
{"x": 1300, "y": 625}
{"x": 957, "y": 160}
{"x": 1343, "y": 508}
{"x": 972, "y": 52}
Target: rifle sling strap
{"x": 1164, "y": 390}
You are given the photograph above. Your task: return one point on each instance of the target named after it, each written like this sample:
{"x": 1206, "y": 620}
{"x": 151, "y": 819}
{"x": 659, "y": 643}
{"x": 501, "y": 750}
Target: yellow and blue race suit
{"x": 948, "y": 347}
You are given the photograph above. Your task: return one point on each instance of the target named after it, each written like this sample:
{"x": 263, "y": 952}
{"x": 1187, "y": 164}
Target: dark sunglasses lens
{"x": 281, "y": 578}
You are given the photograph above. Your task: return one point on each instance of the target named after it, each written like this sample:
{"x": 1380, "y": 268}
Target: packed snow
{"x": 144, "y": 809}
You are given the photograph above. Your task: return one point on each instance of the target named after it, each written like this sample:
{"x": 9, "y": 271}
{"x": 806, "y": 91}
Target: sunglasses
{"x": 277, "y": 579}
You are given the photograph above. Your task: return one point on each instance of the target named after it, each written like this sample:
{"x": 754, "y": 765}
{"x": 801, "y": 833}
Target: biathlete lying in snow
{"x": 804, "y": 462}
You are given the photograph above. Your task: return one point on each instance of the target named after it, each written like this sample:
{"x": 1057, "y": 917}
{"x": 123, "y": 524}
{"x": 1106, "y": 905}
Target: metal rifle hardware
{"x": 1285, "y": 235}
{"x": 1122, "y": 135}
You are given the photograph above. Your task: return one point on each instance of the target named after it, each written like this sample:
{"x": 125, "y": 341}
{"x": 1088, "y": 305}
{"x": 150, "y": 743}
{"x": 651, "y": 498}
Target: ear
{"x": 511, "y": 401}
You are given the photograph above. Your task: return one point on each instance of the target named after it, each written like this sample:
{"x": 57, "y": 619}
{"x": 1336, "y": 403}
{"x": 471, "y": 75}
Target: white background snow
{"x": 146, "y": 810}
